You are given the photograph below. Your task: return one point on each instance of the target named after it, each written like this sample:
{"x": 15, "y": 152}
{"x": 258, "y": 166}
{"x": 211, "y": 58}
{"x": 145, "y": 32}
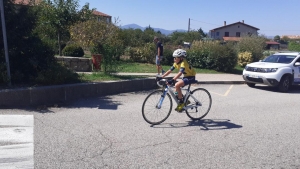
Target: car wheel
{"x": 251, "y": 84}
{"x": 284, "y": 84}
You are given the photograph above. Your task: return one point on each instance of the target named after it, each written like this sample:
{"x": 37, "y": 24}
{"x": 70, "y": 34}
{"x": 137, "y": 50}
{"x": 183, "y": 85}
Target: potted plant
{"x": 96, "y": 52}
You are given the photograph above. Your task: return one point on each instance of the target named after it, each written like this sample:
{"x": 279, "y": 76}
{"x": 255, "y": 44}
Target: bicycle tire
{"x": 151, "y": 113}
{"x": 199, "y": 112}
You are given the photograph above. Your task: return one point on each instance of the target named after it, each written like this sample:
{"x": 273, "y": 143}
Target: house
{"x": 25, "y": 2}
{"x": 102, "y": 16}
{"x": 291, "y": 36}
{"x": 235, "y": 30}
{"x": 99, "y": 15}
{"x": 272, "y": 45}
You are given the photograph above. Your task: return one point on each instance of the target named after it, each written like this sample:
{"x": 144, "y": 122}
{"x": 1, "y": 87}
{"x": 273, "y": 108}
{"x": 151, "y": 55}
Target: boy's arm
{"x": 177, "y": 76}
{"x": 166, "y": 73}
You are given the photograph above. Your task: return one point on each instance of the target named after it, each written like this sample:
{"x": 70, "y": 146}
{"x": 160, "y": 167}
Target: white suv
{"x": 280, "y": 70}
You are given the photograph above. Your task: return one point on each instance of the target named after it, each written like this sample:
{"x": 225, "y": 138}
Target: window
{"x": 107, "y": 20}
{"x": 238, "y": 34}
{"x": 218, "y": 34}
{"x": 226, "y": 34}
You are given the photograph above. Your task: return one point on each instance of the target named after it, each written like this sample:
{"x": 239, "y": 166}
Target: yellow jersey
{"x": 185, "y": 68}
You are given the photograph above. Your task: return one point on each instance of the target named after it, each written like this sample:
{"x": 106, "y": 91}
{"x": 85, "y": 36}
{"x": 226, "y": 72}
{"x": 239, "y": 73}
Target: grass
{"x": 130, "y": 67}
{"x": 151, "y": 68}
{"x": 100, "y": 76}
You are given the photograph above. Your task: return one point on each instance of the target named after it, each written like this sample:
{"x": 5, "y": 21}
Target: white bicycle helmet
{"x": 179, "y": 53}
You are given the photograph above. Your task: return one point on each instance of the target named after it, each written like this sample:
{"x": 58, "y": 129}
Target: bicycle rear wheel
{"x": 203, "y": 102}
{"x": 150, "y": 110}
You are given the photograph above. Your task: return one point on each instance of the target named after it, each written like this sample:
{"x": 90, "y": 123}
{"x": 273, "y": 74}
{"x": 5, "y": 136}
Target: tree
{"x": 100, "y": 37}
{"x": 202, "y": 34}
{"x": 58, "y": 15}
{"x": 277, "y": 38}
{"x": 285, "y": 39}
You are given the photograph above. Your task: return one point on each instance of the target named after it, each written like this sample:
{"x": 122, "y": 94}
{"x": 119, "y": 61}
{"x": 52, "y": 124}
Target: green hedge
{"x": 294, "y": 46}
{"x": 73, "y": 50}
{"x": 212, "y": 55}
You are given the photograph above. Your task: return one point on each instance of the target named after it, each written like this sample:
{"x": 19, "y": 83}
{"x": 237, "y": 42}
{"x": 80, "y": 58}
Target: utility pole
{"x": 189, "y": 25}
{"x": 5, "y": 42}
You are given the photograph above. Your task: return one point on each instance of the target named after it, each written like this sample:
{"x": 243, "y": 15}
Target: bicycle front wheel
{"x": 201, "y": 102}
{"x": 155, "y": 112}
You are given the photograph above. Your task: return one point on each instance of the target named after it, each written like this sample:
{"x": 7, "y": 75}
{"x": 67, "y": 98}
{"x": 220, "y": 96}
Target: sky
{"x": 272, "y": 17}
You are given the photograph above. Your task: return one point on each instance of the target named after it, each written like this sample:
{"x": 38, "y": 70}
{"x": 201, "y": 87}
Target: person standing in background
{"x": 159, "y": 55}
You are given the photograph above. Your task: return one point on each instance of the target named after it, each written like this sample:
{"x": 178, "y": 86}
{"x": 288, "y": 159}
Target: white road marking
{"x": 16, "y": 141}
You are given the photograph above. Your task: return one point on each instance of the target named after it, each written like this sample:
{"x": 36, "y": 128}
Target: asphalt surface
{"x": 246, "y": 128}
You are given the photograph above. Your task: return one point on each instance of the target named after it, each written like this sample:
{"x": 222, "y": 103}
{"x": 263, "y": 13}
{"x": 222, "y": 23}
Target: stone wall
{"x": 77, "y": 64}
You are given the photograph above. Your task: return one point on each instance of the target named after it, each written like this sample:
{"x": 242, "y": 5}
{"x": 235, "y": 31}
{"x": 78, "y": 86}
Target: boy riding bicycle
{"x": 184, "y": 68}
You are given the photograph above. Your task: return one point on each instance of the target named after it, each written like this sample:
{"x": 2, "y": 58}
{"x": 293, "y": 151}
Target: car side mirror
{"x": 297, "y": 64}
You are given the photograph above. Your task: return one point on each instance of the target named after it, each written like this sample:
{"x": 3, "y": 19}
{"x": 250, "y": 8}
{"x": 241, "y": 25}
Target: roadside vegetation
{"x": 56, "y": 27}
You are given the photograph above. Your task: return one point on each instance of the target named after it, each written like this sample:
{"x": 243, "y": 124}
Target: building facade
{"x": 237, "y": 29}
{"x": 102, "y": 16}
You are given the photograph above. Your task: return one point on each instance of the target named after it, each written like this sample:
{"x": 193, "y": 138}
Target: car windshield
{"x": 279, "y": 59}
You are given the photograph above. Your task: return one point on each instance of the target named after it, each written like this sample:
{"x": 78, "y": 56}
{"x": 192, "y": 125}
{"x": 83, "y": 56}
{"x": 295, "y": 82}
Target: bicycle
{"x": 157, "y": 106}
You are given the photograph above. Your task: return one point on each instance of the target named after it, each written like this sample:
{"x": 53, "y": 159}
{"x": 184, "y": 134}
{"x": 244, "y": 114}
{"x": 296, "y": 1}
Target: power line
{"x": 206, "y": 22}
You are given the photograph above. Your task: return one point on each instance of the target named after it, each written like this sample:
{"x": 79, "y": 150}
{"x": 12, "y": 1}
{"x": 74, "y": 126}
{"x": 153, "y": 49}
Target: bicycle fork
{"x": 158, "y": 105}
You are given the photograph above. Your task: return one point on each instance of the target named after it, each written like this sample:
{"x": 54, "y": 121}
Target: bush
{"x": 223, "y": 57}
{"x": 134, "y": 53}
{"x": 244, "y": 58}
{"x": 294, "y": 46}
{"x": 56, "y": 74}
{"x": 268, "y": 53}
{"x": 212, "y": 55}
{"x": 253, "y": 44}
{"x": 73, "y": 50}
{"x": 168, "y": 56}
{"x": 142, "y": 54}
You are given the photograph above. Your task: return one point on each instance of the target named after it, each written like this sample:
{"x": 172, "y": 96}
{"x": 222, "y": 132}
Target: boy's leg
{"x": 180, "y": 105}
{"x": 179, "y": 84}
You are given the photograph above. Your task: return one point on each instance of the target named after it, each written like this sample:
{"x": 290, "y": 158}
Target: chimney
{"x": 224, "y": 23}
{"x": 243, "y": 21}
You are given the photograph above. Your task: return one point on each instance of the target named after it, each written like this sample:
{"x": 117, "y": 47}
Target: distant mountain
{"x": 163, "y": 31}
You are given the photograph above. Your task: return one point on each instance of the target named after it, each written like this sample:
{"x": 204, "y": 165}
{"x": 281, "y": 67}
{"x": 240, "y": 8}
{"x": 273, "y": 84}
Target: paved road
{"x": 246, "y": 128}
{"x": 16, "y": 141}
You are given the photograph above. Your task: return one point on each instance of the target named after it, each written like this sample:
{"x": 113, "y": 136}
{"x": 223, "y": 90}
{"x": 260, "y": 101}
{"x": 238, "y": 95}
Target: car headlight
{"x": 269, "y": 70}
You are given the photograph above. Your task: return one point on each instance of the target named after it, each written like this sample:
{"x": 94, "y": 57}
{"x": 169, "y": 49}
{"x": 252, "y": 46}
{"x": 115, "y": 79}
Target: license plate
{"x": 254, "y": 76}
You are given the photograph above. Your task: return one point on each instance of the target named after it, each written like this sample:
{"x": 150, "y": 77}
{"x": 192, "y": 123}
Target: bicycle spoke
{"x": 200, "y": 104}
{"x": 151, "y": 111}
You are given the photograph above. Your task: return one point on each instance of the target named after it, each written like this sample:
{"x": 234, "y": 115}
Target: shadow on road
{"x": 205, "y": 124}
{"x": 293, "y": 89}
{"x": 104, "y": 102}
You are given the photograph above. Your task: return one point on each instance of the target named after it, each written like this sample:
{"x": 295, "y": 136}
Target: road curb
{"x": 221, "y": 82}
{"x": 60, "y": 94}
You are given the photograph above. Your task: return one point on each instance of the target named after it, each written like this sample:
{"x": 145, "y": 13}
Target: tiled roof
{"x": 21, "y": 2}
{"x": 100, "y": 14}
{"x": 232, "y": 39}
{"x": 25, "y": 2}
{"x": 234, "y": 24}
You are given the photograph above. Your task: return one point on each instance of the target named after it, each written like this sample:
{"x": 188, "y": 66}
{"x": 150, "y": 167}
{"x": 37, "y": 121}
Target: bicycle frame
{"x": 168, "y": 89}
